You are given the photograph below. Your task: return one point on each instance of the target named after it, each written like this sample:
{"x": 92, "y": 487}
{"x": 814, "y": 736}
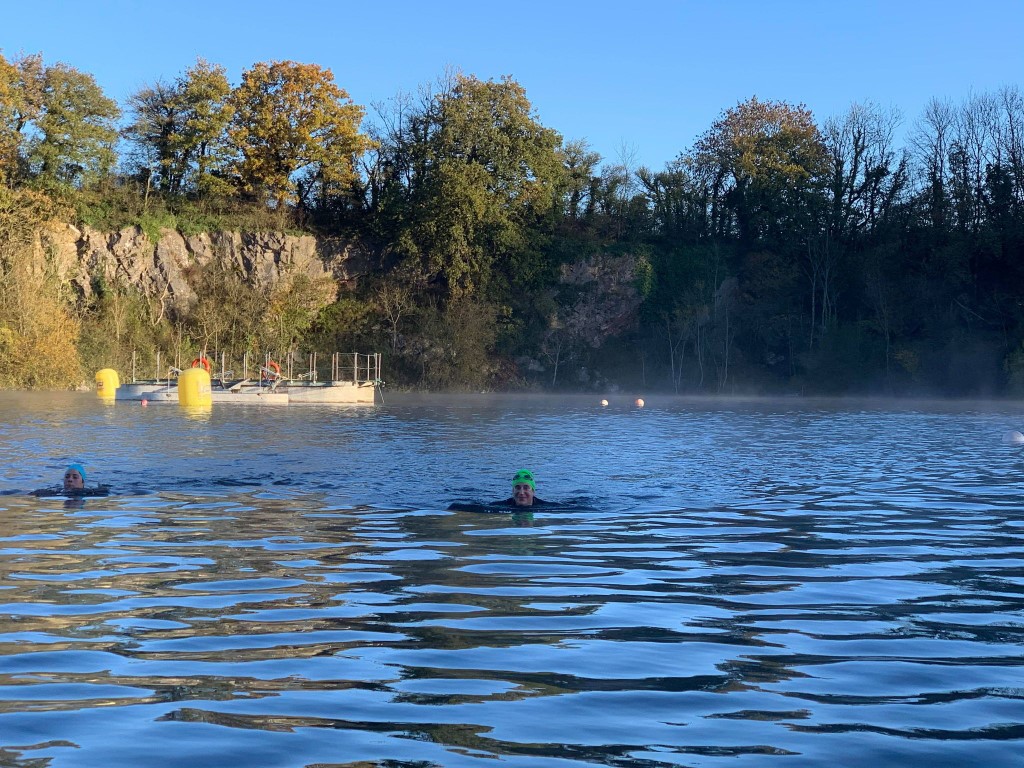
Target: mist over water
{"x": 749, "y": 583}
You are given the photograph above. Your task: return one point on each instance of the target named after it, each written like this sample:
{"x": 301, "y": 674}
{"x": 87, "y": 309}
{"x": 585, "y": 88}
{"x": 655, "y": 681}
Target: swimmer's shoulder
{"x": 98, "y": 490}
{"x": 503, "y": 505}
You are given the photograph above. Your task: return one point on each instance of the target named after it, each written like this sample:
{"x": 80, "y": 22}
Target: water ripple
{"x": 743, "y": 585}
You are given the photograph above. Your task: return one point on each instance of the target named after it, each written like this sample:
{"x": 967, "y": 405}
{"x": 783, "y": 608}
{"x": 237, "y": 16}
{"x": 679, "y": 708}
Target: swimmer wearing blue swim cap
{"x": 74, "y": 477}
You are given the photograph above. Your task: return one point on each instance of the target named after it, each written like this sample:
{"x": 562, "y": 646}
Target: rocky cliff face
{"x": 162, "y": 269}
{"x": 606, "y": 299}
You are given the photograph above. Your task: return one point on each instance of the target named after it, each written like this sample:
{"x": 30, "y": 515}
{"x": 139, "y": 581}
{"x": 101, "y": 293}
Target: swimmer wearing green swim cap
{"x": 524, "y": 490}
{"x": 524, "y": 494}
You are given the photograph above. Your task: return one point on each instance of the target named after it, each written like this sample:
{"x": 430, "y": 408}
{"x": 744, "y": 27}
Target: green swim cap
{"x": 524, "y": 476}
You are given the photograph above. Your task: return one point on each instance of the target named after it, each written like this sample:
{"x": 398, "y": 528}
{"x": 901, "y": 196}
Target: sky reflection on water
{"x": 747, "y": 584}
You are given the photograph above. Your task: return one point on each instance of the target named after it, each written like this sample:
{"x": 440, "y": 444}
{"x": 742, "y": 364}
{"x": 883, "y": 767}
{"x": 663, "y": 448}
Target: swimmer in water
{"x": 522, "y": 500}
{"x": 74, "y": 478}
{"x": 524, "y": 491}
{"x": 73, "y": 485}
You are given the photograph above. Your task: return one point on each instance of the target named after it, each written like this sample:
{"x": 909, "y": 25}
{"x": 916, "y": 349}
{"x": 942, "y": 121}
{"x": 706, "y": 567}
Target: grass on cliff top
{"x": 113, "y": 208}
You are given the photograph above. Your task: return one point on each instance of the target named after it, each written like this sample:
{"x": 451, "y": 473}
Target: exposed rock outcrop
{"x": 606, "y": 299}
{"x": 79, "y": 256}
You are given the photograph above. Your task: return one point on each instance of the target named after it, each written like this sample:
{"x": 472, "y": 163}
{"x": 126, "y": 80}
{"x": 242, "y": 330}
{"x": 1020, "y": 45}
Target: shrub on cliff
{"x": 38, "y": 328}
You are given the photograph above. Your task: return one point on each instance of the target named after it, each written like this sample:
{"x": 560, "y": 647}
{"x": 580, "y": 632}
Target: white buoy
{"x": 1013, "y": 437}
{"x": 604, "y": 403}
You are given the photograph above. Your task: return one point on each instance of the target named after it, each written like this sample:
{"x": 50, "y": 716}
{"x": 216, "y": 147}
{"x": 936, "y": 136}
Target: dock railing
{"x": 355, "y": 367}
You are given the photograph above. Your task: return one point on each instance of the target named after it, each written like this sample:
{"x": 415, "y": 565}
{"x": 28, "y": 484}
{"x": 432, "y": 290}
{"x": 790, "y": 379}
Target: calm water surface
{"x": 733, "y": 584}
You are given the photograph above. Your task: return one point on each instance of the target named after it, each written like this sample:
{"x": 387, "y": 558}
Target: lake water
{"x": 783, "y": 583}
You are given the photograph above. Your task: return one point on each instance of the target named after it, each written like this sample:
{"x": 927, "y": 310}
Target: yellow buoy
{"x": 194, "y": 388}
{"x": 107, "y": 382}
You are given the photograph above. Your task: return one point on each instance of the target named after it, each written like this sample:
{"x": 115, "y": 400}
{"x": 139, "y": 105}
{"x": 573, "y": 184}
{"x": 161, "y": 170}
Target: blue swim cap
{"x": 78, "y": 468}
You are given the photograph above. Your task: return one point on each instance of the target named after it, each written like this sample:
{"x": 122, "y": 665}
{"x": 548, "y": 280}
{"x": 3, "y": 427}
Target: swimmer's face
{"x": 73, "y": 479}
{"x": 523, "y": 494}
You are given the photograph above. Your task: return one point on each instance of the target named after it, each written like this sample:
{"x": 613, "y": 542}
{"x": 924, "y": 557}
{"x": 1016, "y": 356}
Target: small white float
{"x": 1013, "y": 437}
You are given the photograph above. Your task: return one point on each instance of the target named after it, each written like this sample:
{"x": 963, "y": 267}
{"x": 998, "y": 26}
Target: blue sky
{"x": 644, "y": 78}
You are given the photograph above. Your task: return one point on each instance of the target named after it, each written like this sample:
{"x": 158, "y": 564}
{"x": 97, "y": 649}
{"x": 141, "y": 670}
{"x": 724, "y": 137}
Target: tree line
{"x": 778, "y": 253}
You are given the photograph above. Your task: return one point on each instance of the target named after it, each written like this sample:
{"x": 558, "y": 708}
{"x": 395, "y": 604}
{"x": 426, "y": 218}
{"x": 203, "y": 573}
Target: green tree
{"x": 204, "y": 96}
{"x": 75, "y": 133}
{"x": 180, "y": 129}
{"x": 293, "y": 306}
{"x": 580, "y": 172}
{"x": 22, "y": 84}
{"x": 456, "y": 343}
{"x": 481, "y": 176}
{"x": 155, "y": 120}
{"x": 291, "y": 120}
{"x": 228, "y": 311}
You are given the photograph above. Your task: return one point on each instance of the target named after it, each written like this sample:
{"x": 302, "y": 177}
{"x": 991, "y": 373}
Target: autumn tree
{"x": 294, "y": 130}
{"x": 764, "y": 163}
{"x": 293, "y": 306}
{"x": 31, "y": 89}
{"x": 9, "y": 109}
{"x": 39, "y": 330}
{"x": 767, "y": 160}
{"x": 228, "y": 311}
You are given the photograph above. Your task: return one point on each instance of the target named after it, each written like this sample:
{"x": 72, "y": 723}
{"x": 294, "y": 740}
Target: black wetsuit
{"x": 505, "y": 505}
{"x": 100, "y": 490}
{"x": 511, "y": 502}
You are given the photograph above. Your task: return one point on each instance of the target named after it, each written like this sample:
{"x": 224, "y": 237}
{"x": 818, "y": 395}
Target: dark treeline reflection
{"x": 859, "y": 252}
